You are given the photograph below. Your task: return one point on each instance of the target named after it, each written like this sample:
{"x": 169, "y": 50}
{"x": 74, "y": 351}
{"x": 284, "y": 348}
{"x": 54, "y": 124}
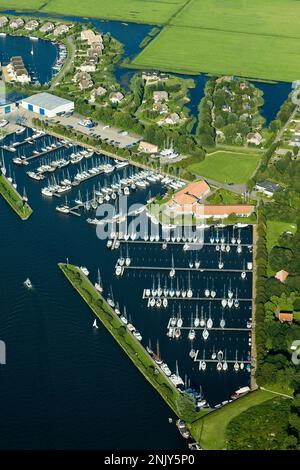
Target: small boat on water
{"x": 28, "y": 283}
{"x": 95, "y": 325}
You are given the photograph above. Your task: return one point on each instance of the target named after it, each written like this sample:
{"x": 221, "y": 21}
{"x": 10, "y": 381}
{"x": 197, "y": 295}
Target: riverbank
{"x": 13, "y": 198}
{"x": 130, "y": 345}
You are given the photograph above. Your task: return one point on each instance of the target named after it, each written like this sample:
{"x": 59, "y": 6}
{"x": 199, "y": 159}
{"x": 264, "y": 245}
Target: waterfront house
{"x": 151, "y": 78}
{"x": 88, "y": 66}
{"x": 281, "y": 275}
{"x": 47, "y": 27}
{"x": 171, "y": 119}
{"x": 159, "y": 96}
{"x": 185, "y": 200}
{"x": 91, "y": 38}
{"x": 3, "y": 21}
{"x": 61, "y": 29}
{"x": 16, "y": 23}
{"x": 116, "y": 97}
{"x": 267, "y": 187}
{"x": 146, "y": 147}
{"x": 17, "y": 72}
{"x": 32, "y": 25}
{"x": 254, "y": 138}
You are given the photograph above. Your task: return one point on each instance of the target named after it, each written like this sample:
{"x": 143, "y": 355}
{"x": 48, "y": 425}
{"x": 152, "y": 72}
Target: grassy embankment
{"x": 210, "y": 431}
{"x": 130, "y": 345}
{"x": 13, "y": 198}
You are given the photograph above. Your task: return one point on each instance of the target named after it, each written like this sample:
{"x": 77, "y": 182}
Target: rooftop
{"x": 46, "y": 100}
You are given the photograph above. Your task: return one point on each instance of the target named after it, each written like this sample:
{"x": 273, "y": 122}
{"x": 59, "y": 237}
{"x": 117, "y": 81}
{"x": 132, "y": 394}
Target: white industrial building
{"x": 47, "y": 105}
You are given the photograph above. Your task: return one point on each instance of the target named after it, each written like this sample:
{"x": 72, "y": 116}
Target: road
{"x": 68, "y": 63}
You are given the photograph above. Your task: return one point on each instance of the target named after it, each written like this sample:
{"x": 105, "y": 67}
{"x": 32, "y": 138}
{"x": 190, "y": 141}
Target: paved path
{"x": 277, "y": 393}
{"x": 68, "y": 63}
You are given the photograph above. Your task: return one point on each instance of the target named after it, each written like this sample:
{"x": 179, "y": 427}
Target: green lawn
{"x": 210, "y": 430}
{"x": 266, "y": 17}
{"x": 195, "y": 50}
{"x": 275, "y": 229}
{"x": 226, "y": 167}
{"x": 144, "y": 11}
{"x": 32, "y": 5}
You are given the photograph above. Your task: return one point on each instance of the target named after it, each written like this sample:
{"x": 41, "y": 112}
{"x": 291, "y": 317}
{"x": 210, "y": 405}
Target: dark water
{"x": 66, "y": 385}
{"x": 131, "y": 35}
{"x": 39, "y": 65}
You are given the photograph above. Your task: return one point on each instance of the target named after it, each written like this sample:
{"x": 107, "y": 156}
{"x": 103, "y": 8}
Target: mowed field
{"x": 144, "y": 11}
{"x": 32, "y": 5}
{"x": 257, "y": 39}
{"x": 226, "y": 167}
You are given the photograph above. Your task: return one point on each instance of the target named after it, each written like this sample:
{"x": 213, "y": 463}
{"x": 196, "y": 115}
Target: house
{"x": 187, "y": 199}
{"x": 91, "y": 38}
{"x": 47, "y": 28}
{"x": 285, "y": 317}
{"x": 116, "y": 97}
{"x": 145, "y": 147}
{"x": 243, "y": 86}
{"x": 254, "y": 138}
{"x": 171, "y": 119}
{"x": 159, "y": 96}
{"x": 88, "y": 66}
{"x": 281, "y": 275}
{"x": 151, "y": 78}
{"x": 32, "y": 25}
{"x": 267, "y": 187}
{"x": 3, "y": 21}
{"x": 224, "y": 211}
{"x": 161, "y": 108}
{"x": 226, "y": 108}
{"x": 100, "y": 91}
{"x": 61, "y": 29}
{"x": 17, "y": 72}
{"x": 85, "y": 84}
{"x": 16, "y": 23}
{"x": 228, "y": 78}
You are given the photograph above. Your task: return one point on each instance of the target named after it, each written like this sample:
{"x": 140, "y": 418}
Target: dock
{"x": 208, "y": 299}
{"x": 230, "y": 361}
{"x": 163, "y": 268}
{"x": 162, "y": 242}
{"x": 201, "y": 328}
{"x": 42, "y": 154}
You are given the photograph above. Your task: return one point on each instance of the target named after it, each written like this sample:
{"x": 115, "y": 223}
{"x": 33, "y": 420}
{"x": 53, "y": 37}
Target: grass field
{"x": 32, "y": 5}
{"x": 275, "y": 229}
{"x": 226, "y": 167}
{"x": 266, "y": 17}
{"x": 210, "y": 431}
{"x": 257, "y": 39}
{"x": 185, "y": 50}
{"x": 144, "y": 11}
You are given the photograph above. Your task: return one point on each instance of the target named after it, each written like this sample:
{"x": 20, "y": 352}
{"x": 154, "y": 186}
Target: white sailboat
{"x": 95, "y": 324}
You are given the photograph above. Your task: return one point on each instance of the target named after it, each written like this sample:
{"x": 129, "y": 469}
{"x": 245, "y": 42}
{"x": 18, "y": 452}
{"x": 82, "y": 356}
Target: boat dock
{"x": 15, "y": 145}
{"x": 42, "y": 154}
{"x": 230, "y": 361}
{"x": 164, "y": 268}
{"x": 193, "y": 244}
{"x": 208, "y": 299}
{"x": 201, "y": 328}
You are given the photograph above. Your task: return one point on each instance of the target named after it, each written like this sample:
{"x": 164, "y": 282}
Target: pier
{"x": 163, "y": 268}
{"x": 191, "y": 243}
{"x": 201, "y": 328}
{"x": 42, "y": 154}
{"x": 208, "y": 299}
